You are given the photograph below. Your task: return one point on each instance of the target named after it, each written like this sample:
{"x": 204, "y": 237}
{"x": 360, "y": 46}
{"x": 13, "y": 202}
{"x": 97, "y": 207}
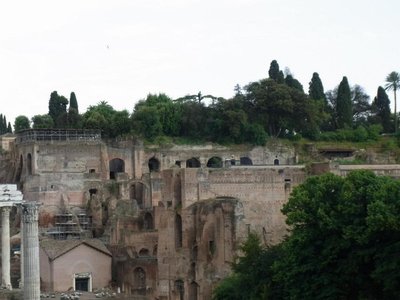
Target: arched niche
{"x": 137, "y": 192}
{"x": 116, "y": 165}
{"x": 180, "y": 289}
{"x": 154, "y": 165}
{"x": 139, "y": 281}
{"x": 144, "y": 252}
{"x": 148, "y": 221}
{"x": 29, "y": 163}
{"x": 178, "y": 231}
{"x": 246, "y": 161}
{"x": 193, "y": 291}
{"x": 193, "y": 163}
{"x": 19, "y": 170}
{"x": 214, "y": 162}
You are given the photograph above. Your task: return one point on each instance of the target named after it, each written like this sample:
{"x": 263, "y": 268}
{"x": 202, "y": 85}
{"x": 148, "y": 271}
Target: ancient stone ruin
{"x": 172, "y": 218}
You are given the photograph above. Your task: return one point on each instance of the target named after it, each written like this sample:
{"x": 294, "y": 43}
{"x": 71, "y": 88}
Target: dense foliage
{"x": 344, "y": 244}
{"x": 4, "y": 126}
{"x": 275, "y": 106}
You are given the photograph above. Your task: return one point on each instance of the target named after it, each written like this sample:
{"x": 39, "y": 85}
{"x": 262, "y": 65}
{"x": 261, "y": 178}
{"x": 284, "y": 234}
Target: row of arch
{"x": 194, "y": 162}
{"x": 117, "y": 165}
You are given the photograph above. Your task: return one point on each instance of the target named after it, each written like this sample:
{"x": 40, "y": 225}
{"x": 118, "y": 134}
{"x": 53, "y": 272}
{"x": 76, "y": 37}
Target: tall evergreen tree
{"x": 316, "y": 89}
{"x": 382, "y": 107}
{"x": 273, "y": 71}
{"x": 73, "y": 103}
{"x": 393, "y": 84}
{"x": 344, "y": 105}
{"x": 9, "y": 128}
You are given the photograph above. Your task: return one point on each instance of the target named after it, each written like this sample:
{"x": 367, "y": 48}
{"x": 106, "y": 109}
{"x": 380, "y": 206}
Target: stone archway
{"x": 154, "y": 165}
{"x": 214, "y": 162}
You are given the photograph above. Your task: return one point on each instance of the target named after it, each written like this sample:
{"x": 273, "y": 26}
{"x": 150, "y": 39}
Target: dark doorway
{"x": 82, "y": 284}
{"x": 116, "y": 165}
{"x": 245, "y": 161}
{"x": 193, "y": 163}
{"x": 154, "y": 165}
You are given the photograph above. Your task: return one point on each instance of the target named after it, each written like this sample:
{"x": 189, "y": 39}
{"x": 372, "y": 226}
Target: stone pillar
{"x": 30, "y": 217}
{"x": 5, "y": 248}
{"x": 21, "y": 233}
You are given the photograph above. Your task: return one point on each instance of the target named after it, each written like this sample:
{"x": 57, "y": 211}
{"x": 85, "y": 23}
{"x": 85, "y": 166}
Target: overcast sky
{"x": 121, "y": 50}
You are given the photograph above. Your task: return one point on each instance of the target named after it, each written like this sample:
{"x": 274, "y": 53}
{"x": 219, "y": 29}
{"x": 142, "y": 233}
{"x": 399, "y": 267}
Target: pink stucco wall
{"x": 82, "y": 259}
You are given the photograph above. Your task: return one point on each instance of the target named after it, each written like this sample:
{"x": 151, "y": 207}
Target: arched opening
{"x": 193, "y": 290}
{"x": 144, "y": 252}
{"x": 276, "y": 161}
{"x": 214, "y": 162}
{"x": 29, "y": 163}
{"x": 246, "y": 161}
{"x": 137, "y": 193}
{"x": 139, "y": 281}
{"x": 116, "y": 165}
{"x": 178, "y": 231}
{"x": 19, "y": 170}
{"x": 92, "y": 192}
{"x": 154, "y": 165}
{"x": 180, "y": 289}
{"x": 193, "y": 163}
{"x": 148, "y": 221}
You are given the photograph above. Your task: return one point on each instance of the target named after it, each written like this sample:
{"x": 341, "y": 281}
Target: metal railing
{"x": 34, "y": 135}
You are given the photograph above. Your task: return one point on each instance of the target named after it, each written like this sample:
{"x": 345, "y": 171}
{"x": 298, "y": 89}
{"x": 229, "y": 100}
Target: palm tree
{"x": 393, "y": 83}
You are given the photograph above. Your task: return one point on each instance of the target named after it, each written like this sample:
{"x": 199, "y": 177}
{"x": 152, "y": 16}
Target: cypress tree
{"x": 316, "y": 89}
{"x": 382, "y": 106}
{"x": 344, "y": 105}
{"x": 273, "y": 71}
{"x": 9, "y": 128}
{"x": 73, "y": 103}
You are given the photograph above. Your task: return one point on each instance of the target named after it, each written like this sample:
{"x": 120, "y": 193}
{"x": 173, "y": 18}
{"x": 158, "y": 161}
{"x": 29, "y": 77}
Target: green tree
{"x": 42, "y": 121}
{"x": 58, "y": 109}
{"x": 73, "y": 103}
{"x": 293, "y": 83}
{"x": 344, "y": 105}
{"x": 271, "y": 105}
{"x": 392, "y": 84}
{"x": 316, "y": 89}
{"x": 21, "y": 123}
{"x": 100, "y": 116}
{"x": 344, "y": 232}
{"x": 146, "y": 122}
{"x": 381, "y": 106}
{"x": 275, "y": 73}
{"x": 360, "y": 104}
{"x": 252, "y": 275}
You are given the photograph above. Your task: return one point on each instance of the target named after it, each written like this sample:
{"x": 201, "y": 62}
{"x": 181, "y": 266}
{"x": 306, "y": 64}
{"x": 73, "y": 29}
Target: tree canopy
{"x": 343, "y": 244}
{"x": 275, "y": 106}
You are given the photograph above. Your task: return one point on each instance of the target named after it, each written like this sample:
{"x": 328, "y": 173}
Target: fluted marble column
{"x": 5, "y": 248}
{"x": 30, "y": 217}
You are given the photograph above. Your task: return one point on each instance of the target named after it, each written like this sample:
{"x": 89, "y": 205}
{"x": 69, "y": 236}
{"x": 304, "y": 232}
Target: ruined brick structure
{"x": 173, "y": 218}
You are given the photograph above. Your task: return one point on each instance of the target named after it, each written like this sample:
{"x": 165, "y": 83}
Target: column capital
{"x": 5, "y": 210}
{"x": 30, "y": 212}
